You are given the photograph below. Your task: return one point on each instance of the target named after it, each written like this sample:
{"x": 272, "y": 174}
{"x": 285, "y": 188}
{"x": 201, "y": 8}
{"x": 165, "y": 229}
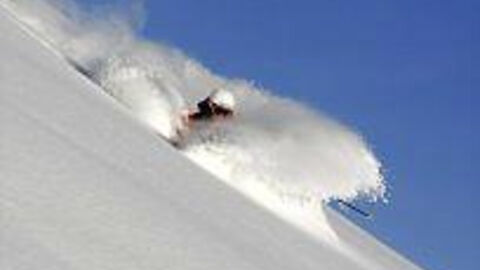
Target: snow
{"x": 85, "y": 185}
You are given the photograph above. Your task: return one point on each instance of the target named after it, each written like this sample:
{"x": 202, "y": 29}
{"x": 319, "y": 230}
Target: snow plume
{"x": 278, "y": 152}
{"x": 288, "y": 158}
{"x": 294, "y": 150}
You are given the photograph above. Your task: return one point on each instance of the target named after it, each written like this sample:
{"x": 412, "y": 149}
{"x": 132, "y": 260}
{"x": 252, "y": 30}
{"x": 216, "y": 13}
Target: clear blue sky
{"x": 406, "y": 74}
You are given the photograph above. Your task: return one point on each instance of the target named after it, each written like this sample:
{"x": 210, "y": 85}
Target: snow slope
{"x": 84, "y": 185}
{"x": 305, "y": 156}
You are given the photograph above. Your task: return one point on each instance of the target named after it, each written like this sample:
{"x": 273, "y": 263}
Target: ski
{"x": 354, "y": 208}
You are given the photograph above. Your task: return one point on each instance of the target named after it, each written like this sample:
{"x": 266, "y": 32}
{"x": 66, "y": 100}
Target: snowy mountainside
{"x": 84, "y": 185}
{"x": 306, "y": 159}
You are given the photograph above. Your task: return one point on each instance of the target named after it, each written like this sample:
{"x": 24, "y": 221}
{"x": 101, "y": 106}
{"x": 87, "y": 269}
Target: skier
{"x": 218, "y": 105}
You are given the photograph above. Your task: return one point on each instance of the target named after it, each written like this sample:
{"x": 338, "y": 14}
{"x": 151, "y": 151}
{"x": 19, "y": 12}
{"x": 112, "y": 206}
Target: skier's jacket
{"x": 208, "y": 110}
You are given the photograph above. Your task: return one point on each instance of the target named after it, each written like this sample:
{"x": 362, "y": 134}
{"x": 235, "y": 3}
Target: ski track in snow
{"x": 279, "y": 153}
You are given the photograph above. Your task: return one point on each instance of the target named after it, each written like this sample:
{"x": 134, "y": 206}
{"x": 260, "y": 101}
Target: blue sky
{"x": 405, "y": 74}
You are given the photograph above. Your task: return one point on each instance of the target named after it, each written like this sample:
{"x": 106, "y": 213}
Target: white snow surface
{"x": 85, "y": 185}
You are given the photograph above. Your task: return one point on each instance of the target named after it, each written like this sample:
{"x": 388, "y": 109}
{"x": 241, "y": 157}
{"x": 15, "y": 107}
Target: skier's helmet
{"x": 223, "y": 98}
